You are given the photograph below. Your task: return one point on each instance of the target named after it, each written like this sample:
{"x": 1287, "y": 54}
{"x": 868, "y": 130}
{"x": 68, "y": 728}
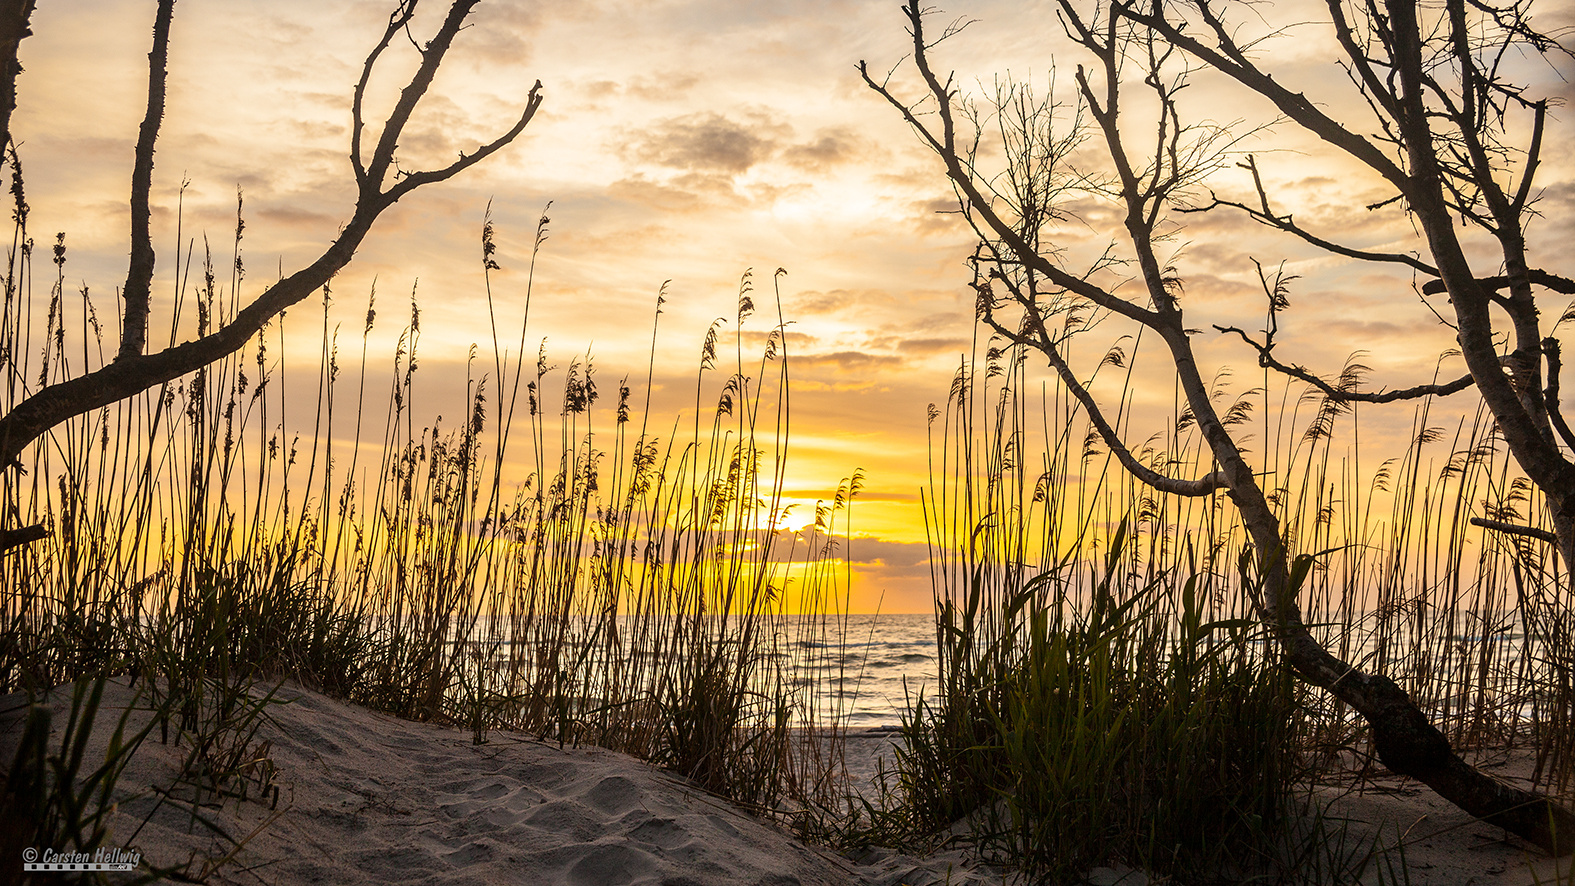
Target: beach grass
{"x": 1107, "y": 691}
{"x": 584, "y": 570}
{"x": 629, "y": 585}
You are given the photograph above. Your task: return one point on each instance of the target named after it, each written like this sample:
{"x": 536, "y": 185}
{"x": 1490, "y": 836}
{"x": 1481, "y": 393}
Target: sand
{"x": 1439, "y": 844}
{"x": 366, "y": 798}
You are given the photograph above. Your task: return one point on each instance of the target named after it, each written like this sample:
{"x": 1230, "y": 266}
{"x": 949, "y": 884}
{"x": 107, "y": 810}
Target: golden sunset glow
{"x": 687, "y": 143}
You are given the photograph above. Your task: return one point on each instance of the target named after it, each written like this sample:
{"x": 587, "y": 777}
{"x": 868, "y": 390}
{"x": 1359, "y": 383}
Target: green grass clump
{"x": 1086, "y": 735}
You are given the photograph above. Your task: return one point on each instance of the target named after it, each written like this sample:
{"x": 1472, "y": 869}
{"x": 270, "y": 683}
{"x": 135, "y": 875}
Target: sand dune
{"x": 369, "y": 799}
{"x": 365, "y": 798}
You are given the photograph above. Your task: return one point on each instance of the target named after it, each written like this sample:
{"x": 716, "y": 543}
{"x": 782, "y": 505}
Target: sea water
{"x": 869, "y": 670}
{"x": 874, "y": 670}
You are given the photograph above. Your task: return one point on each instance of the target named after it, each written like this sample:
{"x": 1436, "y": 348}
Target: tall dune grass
{"x": 1106, "y": 690}
{"x": 631, "y": 588}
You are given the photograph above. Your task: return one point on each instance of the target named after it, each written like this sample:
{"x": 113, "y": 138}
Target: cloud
{"x": 685, "y": 193}
{"x": 812, "y": 301}
{"x": 846, "y": 361}
{"x": 756, "y": 341}
{"x": 897, "y": 554}
{"x": 497, "y": 35}
{"x": 715, "y": 143}
{"x": 707, "y": 143}
{"x": 663, "y": 86}
{"x": 948, "y": 346}
{"x": 295, "y": 216}
{"x": 829, "y": 148}
{"x": 938, "y": 215}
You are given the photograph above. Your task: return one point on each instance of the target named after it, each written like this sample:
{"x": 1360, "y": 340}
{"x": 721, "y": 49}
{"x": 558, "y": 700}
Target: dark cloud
{"x": 1556, "y": 207}
{"x": 829, "y": 148}
{"x": 933, "y": 345}
{"x": 706, "y": 142}
{"x": 898, "y": 554}
{"x": 295, "y": 216}
{"x": 719, "y": 144}
{"x": 847, "y": 361}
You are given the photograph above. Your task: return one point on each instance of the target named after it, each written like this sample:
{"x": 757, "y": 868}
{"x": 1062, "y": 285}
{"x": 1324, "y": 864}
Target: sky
{"x": 684, "y": 143}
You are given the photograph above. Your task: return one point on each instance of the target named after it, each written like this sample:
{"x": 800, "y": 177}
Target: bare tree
{"x": 379, "y": 184}
{"x": 1444, "y": 105}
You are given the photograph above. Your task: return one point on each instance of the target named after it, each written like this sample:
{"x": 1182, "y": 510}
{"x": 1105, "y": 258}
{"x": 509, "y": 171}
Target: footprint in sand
{"x": 568, "y": 818}
{"x": 612, "y": 864}
{"x": 469, "y": 854}
{"x": 663, "y": 833}
{"x": 613, "y": 795}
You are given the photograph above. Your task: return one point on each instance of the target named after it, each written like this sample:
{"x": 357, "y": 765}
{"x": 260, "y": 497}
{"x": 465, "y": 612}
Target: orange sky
{"x": 682, "y": 141}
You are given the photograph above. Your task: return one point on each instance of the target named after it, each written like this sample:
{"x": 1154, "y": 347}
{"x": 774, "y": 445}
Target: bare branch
{"x": 1039, "y": 339}
{"x": 393, "y": 127}
{"x": 397, "y": 21}
{"x": 1228, "y": 59}
{"x": 1533, "y": 157}
{"x": 1265, "y": 214}
{"x": 1515, "y": 529}
{"x": 1266, "y": 359}
{"x": 15, "y": 538}
{"x": 945, "y": 145}
{"x": 139, "y": 273}
{"x": 418, "y": 179}
{"x": 1534, "y": 276}
{"x": 133, "y": 373}
{"x": 14, "y": 16}
{"x": 1550, "y": 349}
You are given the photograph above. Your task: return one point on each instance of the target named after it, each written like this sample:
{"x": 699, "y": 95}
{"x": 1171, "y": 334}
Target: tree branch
{"x": 1515, "y": 529}
{"x": 946, "y": 147}
{"x": 418, "y": 179}
{"x": 15, "y": 538}
{"x": 1230, "y": 60}
{"x": 1266, "y": 215}
{"x": 431, "y": 57}
{"x": 133, "y": 373}
{"x": 1266, "y": 359}
{"x": 397, "y": 20}
{"x": 139, "y": 273}
{"x": 1536, "y": 277}
{"x": 1550, "y": 349}
{"x": 1041, "y": 340}
{"x": 14, "y": 16}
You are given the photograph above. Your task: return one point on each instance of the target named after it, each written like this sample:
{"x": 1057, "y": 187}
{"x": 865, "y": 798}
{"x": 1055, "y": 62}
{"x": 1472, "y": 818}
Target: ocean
{"x": 881, "y": 663}
{"x": 869, "y": 669}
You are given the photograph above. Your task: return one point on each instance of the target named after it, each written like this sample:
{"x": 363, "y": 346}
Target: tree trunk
{"x": 14, "y": 16}
{"x": 1404, "y": 739}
